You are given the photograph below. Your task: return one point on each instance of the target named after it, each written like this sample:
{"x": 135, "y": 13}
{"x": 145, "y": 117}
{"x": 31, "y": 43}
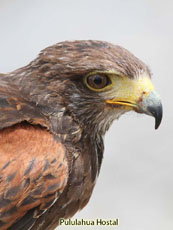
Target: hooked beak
{"x": 141, "y": 97}
{"x": 152, "y": 106}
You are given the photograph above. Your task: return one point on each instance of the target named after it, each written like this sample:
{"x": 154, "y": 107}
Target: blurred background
{"x": 135, "y": 182}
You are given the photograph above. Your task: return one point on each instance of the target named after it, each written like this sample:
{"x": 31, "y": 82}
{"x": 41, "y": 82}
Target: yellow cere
{"x": 126, "y": 91}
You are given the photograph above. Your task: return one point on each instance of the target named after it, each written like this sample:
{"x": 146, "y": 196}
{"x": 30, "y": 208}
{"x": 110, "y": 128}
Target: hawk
{"x": 54, "y": 114}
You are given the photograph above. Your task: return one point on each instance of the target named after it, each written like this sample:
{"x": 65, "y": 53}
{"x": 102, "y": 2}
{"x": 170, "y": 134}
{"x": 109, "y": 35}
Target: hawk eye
{"x": 98, "y": 81}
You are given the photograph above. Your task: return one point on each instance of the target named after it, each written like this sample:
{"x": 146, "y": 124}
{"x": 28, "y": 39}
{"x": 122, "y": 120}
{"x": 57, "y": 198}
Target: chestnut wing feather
{"x": 33, "y": 174}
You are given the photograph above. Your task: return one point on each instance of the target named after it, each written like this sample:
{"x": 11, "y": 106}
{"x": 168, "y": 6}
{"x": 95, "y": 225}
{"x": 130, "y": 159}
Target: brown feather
{"x": 37, "y": 167}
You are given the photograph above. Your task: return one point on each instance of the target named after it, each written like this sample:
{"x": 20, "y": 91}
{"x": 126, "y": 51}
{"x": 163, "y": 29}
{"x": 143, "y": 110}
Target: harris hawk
{"x": 54, "y": 114}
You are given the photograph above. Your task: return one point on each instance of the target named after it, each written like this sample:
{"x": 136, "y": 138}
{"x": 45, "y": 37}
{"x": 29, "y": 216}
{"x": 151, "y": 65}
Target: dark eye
{"x": 98, "y": 81}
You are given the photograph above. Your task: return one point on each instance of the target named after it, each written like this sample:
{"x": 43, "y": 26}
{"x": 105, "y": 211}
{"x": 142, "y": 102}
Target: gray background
{"x": 135, "y": 183}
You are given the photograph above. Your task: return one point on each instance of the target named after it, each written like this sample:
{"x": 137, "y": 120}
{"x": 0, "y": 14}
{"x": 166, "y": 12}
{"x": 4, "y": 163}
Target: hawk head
{"x": 95, "y": 81}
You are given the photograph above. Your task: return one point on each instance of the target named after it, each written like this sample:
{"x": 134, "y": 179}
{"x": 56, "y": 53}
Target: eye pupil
{"x": 98, "y": 81}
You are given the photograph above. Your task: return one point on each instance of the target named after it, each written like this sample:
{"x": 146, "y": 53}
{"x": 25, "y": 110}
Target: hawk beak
{"x": 141, "y": 97}
{"x": 152, "y": 106}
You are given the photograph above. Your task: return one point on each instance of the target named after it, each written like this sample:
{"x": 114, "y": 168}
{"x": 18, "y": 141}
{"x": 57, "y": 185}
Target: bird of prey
{"x": 54, "y": 113}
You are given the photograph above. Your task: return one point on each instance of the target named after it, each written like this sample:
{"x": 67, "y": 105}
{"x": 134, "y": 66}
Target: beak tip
{"x": 157, "y": 125}
{"x": 157, "y": 113}
{"x": 158, "y": 121}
